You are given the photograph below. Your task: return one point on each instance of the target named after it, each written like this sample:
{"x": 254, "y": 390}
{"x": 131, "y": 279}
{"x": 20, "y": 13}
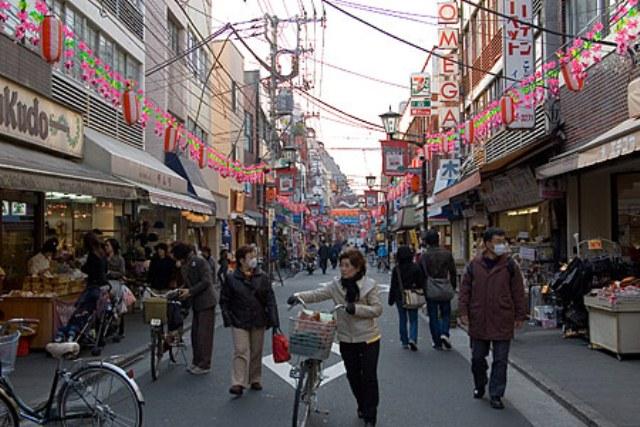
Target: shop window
{"x": 628, "y": 215}
{"x": 580, "y": 14}
{"x": 17, "y": 234}
{"x": 174, "y": 36}
{"x": 248, "y": 132}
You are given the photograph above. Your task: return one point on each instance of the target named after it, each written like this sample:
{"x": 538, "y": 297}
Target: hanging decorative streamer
{"x": 113, "y": 87}
{"x": 530, "y": 92}
{"x": 292, "y": 207}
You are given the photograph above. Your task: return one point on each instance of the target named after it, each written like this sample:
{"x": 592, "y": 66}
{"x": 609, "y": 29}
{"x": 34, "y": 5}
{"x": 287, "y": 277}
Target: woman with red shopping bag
{"x": 249, "y": 307}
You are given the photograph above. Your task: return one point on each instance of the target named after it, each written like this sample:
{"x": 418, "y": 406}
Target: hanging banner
{"x": 371, "y": 198}
{"x": 517, "y": 53}
{"x": 395, "y": 157}
{"x": 448, "y": 174}
{"x": 420, "y": 95}
{"x": 286, "y": 181}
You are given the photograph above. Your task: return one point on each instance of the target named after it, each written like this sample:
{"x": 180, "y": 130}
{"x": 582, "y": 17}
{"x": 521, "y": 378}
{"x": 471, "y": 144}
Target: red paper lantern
{"x": 574, "y": 83}
{"x": 202, "y": 160}
{"x": 469, "y": 131}
{"x": 171, "y": 138}
{"x": 130, "y": 107}
{"x": 415, "y": 183}
{"x": 51, "y": 41}
{"x": 507, "y": 110}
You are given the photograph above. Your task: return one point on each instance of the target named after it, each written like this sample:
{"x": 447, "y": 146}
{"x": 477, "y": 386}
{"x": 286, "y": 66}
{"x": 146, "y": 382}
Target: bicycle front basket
{"x": 8, "y": 352}
{"x": 312, "y": 339}
{"x": 155, "y": 308}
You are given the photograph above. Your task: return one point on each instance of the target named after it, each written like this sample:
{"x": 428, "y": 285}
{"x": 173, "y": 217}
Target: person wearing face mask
{"x": 201, "y": 291}
{"x": 357, "y": 326}
{"x": 492, "y": 305}
{"x": 249, "y": 307}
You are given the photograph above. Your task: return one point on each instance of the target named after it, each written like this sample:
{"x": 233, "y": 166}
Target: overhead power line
{"x": 415, "y": 46}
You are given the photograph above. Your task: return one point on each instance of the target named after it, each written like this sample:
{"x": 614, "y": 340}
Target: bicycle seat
{"x": 63, "y": 349}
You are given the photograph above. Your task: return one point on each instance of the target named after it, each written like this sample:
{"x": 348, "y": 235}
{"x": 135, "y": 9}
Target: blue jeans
{"x": 439, "y": 314}
{"x": 412, "y": 334}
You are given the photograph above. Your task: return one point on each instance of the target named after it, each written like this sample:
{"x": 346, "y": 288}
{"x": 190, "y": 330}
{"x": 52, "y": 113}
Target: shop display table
{"x": 49, "y": 310}
{"x": 614, "y": 327}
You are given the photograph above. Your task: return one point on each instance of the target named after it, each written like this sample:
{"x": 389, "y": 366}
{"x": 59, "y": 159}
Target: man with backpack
{"x": 492, "y": 305}
{"x": 439, "y": 270}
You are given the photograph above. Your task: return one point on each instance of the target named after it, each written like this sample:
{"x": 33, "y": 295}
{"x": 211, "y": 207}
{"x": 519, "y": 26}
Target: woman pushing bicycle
{"x": 357, "y": 328}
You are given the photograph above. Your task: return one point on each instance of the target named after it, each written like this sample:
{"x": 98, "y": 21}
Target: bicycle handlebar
{"x": 168, "y": 295}
{"x": 23, "y": 325}
{"x": 304, "y": 305}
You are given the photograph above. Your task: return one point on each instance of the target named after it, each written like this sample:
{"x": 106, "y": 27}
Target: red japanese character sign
{"x": 518, "y": 53}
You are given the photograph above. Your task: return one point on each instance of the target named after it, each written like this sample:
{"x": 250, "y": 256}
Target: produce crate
{"x": 614, "y": 327}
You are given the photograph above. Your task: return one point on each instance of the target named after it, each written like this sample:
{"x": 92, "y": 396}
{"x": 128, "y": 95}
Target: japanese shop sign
{"x": 286, "y": 181}
{"x": 518, "y": 53}
{"x": 31, "y": 118}
{"x": 395, "y": 157}
{"x": 447, "y": 65}
{"x": 420, "y": 95}
{"x": 447, "y": 12}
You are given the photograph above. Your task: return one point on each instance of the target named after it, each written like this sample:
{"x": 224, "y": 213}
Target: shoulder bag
{"x": 438, "y": 288}
{"x": 412, "y": 299}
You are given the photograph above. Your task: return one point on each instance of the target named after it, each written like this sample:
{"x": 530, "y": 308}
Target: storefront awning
{"x": 31, "y": 170}
{"x": 191, "y": 172}
{"x": 173, "y": 200}
{"x": 235, "y": 216}
{"x": 406, "y": 219}
{"x": 466, "y": 184}
{"x": 124, "y": 161}
{"x": 622, "y": 140}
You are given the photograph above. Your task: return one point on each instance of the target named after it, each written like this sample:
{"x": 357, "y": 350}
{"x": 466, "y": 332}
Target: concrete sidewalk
{"x": 592, "y": 384}
{"x": 34, "y": 373}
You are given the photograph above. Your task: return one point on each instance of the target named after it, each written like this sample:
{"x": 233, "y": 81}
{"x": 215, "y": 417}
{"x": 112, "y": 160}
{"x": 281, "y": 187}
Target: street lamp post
{"x": 390, "y": 121}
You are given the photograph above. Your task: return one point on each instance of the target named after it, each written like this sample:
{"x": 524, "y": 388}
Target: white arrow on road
{"x": 328, "y": 374}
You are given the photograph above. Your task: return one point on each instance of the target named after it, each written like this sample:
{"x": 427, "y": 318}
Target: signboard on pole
{"x": 420, "y": 101}
{"x": 395, "y": 157}
{"x": 518, "y": 53}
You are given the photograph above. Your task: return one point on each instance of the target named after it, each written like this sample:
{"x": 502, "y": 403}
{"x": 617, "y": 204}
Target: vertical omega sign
{"x": 28, "y": 117}
{"x": 449, "y": 89}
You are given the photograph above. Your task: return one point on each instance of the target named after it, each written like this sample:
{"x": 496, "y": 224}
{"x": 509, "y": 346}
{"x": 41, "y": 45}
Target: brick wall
{"x": 487, "y": 59}
{"x": 24, "y": 66}
{"x": 601, "y": 105}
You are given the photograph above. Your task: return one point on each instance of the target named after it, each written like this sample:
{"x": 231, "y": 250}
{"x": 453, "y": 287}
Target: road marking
{"x": 329, "y": 373}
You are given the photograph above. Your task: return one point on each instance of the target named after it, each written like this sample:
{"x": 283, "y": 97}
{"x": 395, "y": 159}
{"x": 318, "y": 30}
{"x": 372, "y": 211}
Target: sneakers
{"x": 413, "y": 346}
{"x": 196, "y": 370}
{"x": 256, "y": 386}
{"x": 436, "y": 346}
{"x": 236, "y": 390}
{"x": 445, "y": 342}
{"x": 405, "y": 346}
{"x": 478, "y": 393}
{"x": 496, "y": 403}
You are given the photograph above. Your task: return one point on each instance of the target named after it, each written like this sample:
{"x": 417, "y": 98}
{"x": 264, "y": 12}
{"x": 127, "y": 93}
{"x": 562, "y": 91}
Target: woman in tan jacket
{"x": 357, "y": 326}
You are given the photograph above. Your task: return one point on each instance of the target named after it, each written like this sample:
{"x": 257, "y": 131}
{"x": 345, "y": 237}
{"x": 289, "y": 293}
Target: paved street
{"x": 417, "y": 389}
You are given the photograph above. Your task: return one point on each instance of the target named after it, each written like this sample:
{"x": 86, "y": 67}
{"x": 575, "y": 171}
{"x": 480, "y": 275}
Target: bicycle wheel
{"x": 305, "y": 391}
{"x": 157, "y": 350}
{"x": 8, "y": 412}
{"x": 99, "y": 395}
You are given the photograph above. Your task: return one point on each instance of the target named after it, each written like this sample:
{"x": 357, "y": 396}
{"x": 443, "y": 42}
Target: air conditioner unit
{"x": 633, "y": 98}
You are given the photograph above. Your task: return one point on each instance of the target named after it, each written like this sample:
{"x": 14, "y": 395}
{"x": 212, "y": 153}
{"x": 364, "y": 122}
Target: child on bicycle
{"x": 357, "y": 328}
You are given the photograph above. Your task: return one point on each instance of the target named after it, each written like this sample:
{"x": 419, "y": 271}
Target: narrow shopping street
{"x": 426, "y": 388}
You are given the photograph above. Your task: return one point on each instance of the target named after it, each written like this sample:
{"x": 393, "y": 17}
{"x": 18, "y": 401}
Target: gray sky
{"x": 350, "y": 45}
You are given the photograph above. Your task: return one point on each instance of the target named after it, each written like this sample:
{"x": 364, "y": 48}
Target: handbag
{"x": 280, "y": 346}
{"x": 439, "y": 289}
{"x": 412, "y": 299}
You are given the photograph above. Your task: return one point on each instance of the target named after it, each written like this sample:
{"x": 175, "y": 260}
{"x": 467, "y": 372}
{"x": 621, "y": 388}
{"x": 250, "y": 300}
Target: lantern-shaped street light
{"x": 371, "y": 181}
{"x": 390, "y": 121}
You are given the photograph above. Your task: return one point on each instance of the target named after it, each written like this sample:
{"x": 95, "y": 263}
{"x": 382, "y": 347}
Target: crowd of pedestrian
{"x": 491, "y": 304}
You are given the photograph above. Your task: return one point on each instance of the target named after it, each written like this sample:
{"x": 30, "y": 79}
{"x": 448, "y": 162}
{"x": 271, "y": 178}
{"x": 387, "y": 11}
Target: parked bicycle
{"x": 311, "y": 337}
{"x": 95, "y": 393}
{"x": 165, "y": 315}
{"x": 294, "y": 266}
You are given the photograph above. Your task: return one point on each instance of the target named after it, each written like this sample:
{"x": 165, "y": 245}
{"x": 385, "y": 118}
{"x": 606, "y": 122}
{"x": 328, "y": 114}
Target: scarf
{"x": 351, "y": 287}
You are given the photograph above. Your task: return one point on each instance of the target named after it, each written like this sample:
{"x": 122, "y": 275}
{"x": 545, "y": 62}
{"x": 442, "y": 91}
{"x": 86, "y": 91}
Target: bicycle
{"x": 294, "y": 267}
{"x": 311, "y": 340}
{"x": 156, "y": 309}
{"x": 95, "y": 393}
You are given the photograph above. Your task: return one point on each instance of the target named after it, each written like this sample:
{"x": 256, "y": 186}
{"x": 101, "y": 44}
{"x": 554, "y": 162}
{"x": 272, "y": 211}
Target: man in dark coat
{"x": 199, "y": 289}
{"x": 492, "y": 304}
{"x": 324, "y": 254}
{"x": 438, "y": 263}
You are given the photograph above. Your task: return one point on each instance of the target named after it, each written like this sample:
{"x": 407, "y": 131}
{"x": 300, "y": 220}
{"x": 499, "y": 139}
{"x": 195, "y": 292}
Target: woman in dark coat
{"x": 406, "y": 275}
{"x": 249, "y": 307}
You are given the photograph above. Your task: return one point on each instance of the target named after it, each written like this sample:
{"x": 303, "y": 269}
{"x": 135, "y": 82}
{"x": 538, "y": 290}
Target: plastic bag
{"x": 280, "y": 347}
